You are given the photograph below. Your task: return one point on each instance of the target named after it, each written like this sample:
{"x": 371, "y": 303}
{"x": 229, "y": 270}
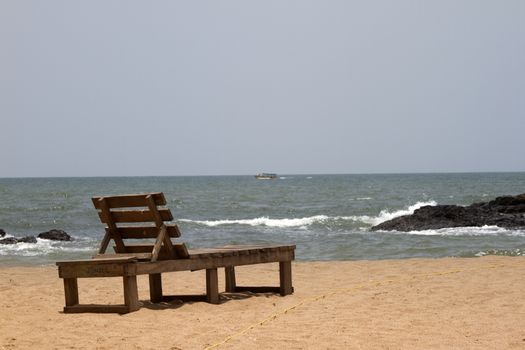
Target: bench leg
{"x": 229, "y": 273}
{"x": 285, "y": 277}
{"x": 155, "y": 287}
{"x": 131, "y": 294}
{"x": 212, "y": 286}
{"x": 71, "y": 291}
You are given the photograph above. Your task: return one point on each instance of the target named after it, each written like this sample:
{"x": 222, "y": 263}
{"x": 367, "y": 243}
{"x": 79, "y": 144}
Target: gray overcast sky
{"x": 93, "y": 88}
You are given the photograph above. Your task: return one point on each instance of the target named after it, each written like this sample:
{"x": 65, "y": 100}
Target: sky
{"x": 136, "y": 88}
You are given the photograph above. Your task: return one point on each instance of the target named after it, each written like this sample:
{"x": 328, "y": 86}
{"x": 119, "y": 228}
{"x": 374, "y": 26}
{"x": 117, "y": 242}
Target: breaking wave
{"x": 264, "y": 221}
{"x": 384, "y": 215}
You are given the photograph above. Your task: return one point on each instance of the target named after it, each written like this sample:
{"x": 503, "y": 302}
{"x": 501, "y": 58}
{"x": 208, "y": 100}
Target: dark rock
{"x": 27, "y": 239}
{"x": 2, "y": 233}
{"x": 55, "y": 235}
{"x": 9, "y": 240}
{"x": 507, "y": 212}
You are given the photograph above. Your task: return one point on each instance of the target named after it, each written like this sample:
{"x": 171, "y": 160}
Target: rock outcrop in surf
{"x": 54, "y": 235}
{"x": 506, "y": 212}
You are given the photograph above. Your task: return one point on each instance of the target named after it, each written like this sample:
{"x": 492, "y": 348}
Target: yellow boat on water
{"x": 266, "y": 176}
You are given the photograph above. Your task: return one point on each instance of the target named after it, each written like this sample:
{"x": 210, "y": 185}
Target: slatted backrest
{"x": 142, "y": 232}
{"x": 138, "y": 216}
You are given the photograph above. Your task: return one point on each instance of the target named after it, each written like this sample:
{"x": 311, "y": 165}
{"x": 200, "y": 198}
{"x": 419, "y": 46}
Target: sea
{"x": 328, "y": 217}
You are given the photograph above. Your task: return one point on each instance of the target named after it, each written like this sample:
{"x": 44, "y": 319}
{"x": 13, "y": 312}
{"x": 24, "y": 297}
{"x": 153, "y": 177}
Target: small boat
{"x": 266, "y": 176}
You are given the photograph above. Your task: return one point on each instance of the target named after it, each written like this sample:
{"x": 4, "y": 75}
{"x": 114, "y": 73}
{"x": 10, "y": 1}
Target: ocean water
{"x": 328, "y": 217}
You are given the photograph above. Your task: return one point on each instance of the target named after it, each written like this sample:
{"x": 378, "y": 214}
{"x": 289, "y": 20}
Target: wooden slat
{"x": 105, "y": 241}
{"x": 259, "y": 246}
{"x": 239, "y": 250}
{"x": 94, "y": 269}
{"x": 160, "y": 224}
{"x": 136, "y": 215}
{"x": 133, "y": 256}
{"x": 130, "y": 200}
{"x": 167, "y": 243}
{"x": 140, "y": 232}
{"x": 102, "y": 259}
{"x": 150, "y": 203}
{"x": 212, "y": 262}
{"x": 119, "y": 309}
{"x": 107, "y": 217}
{"x": 141, "y": 249}
{"x": 158, "y": 244}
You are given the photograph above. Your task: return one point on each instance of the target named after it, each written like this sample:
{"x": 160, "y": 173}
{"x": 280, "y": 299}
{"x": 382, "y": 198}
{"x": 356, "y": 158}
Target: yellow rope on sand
{"x": 326, "y": 295}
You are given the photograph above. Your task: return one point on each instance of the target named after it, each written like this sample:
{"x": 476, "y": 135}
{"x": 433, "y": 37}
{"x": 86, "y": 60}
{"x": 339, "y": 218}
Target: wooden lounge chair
{"x": 142, "y": 217}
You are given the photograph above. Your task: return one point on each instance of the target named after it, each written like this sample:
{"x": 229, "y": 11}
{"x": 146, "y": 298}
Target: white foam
{"x": 307, "y": 221}
{"x": 468, "y": 231}
{"x": 507, "y": 252}
{"x": 386, "y": 215}
{"x": 264, "y": 221}
{"x": 41, "y": 247}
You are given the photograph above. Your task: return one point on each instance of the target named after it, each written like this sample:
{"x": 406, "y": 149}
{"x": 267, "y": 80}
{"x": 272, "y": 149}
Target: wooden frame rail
{"x": 208, "y": 259}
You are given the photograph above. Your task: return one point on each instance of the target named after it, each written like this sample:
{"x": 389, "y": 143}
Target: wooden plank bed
{"x": 162, "y": 256}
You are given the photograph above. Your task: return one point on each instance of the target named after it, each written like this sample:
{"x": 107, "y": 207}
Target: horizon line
{"x": 283, "y": 174}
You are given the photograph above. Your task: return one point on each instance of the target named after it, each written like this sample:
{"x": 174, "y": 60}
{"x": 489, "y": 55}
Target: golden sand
{"x": 476, "y": 303}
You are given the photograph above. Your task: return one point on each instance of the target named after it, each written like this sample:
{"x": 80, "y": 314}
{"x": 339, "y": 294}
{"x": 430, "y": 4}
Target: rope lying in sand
{"x": 335, "y": 292}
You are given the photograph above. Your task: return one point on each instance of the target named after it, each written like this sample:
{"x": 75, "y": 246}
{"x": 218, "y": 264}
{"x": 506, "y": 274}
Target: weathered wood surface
{"x": 105, "y": 242}
{"x": 237, "y": 250}
{"x": 213, "y": 261}
{"x": 96, "y": 308}
{"x": 135, "y": 256}
{"x": 129, "y": 200}
{"x": 212, "y": 286}
{"x": 111, "y": 213}
{"x": 158, "y": 244}
{"x": 131, "y": 293}
{"x": 131, "y": 299}
{"x": 89, "y": 268}
{"x": 140, "y": 215}
{"x": 112, "y": 232}
{"x": 116, "y": 265}
{"x": 285, "y": 277}
{"x": 179, "y": 251}
{"x": 101, "y": 259}
{"x": 155, "y": 287}
{"x": 229, "y": 279}
{"x": 142, "y": 232}
{"x": 71, "y": 291}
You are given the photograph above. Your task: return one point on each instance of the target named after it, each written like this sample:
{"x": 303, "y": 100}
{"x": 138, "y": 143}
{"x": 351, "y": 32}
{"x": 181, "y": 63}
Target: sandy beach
{"x": 450, "y": 303}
